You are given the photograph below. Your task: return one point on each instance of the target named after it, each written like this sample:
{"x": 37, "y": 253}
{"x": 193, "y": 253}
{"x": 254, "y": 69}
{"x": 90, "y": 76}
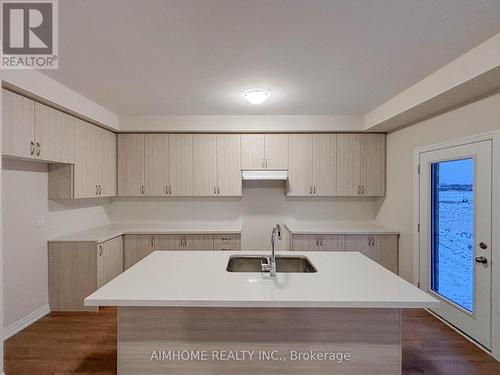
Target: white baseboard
{"x": 24, "y": 322}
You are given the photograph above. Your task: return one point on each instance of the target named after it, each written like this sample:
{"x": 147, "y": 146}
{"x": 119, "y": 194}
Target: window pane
{"x": 452, "y": 230}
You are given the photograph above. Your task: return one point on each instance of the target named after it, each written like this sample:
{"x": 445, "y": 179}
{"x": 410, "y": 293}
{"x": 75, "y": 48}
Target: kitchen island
{"x": 185, "y": 313}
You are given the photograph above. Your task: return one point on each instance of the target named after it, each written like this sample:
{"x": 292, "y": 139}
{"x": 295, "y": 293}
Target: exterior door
{"x": 455, "y": 235}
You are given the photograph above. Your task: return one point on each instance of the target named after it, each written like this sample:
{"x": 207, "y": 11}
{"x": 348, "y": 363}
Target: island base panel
{"x": 195, "y": 341}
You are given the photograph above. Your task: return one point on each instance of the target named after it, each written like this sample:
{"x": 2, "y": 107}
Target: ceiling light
{"x": 256, "y": 96}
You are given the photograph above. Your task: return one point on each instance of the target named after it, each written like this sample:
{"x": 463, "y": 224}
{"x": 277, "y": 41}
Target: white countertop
{"x": 197, "y": 278}
{"x": 107, "y": 232}
{"x": 338, "y": 227}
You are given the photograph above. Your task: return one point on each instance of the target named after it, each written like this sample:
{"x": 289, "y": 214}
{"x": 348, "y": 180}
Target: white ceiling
{"x": 196, "y": 57}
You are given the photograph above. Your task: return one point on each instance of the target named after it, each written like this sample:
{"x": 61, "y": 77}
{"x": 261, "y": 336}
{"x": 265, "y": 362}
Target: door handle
{"x": 314, "y": 189}
{"x": 310, "y": 189}
{"x": 359, "y": 189}
{"x": 97, "y": 190}
{"x": 483, "y": 245}
{"x": 32, "y": 148}
{"x": 218, "y": 189}
{"x": 215, "y": 190}
{"x": 100, "y": 250}
{"x": 482, "y": 260}
{"x": 38, "y": 149}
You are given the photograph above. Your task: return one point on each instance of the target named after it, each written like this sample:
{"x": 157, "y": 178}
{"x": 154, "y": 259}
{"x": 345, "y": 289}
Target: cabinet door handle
{"x": 100, "y": 250}
{"x": 142, "y": 189}
{"x": 359, "y": 189}
{"x": 38, "y": 149}
{"x": 314, "y": 189}
{"x": 215, "y": 190}
{"x": 266, "y": 163}
{"x": 317, "y": 241}
{"x": 218, "y": 189}
{"x": 362, "y": 189}
{"x": 100, "y": 190}
{"x": 97, "y": 190}
{"x": 32, "y": 148}
{"x": 310, "y": 190}
{"x": 170, "y": 189}
{"x": 166, "y": 189}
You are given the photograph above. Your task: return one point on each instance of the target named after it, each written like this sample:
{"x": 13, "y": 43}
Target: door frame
{"x": 495, "y": 240}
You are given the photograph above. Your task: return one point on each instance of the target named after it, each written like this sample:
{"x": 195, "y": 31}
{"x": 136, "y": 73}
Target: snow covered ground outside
{"x": 455, "y": 250}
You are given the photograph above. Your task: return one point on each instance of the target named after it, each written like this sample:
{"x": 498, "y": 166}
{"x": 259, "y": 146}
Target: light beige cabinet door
{"x": 169, "y": 242}
{"x": 54, "y": 135}
{"x": 373, "y": 164}
{"x": 331, "y": 242}
{"x": 130, "y": 164}
{"x": 205, "y": 165}
{"x": 198, "y": 242}
{"x": 304, "y": 242}
{"x": 300, "y": 165}
{"x": 86, "y": 179}
{"x": 276, "y": 151}
{"x": 227, "y": 242}
{"x": 109, "y": 260}
{"x": 136, "y": 247}
{"x": 324, "y": 164}
{"x": 18, "y": 125}
{"x": 381, "y": 248}
{"x": 181, "y": 166}
{"x": 252, "y": 151}
{"x": 228, "y": 165}
{"x": 106, "y": 164}
{"x": 156, "y": 170}
{"x": 348, "y": 164}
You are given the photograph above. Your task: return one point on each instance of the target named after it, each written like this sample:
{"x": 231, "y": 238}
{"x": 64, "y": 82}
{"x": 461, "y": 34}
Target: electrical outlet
{"x": 40, "y": 221}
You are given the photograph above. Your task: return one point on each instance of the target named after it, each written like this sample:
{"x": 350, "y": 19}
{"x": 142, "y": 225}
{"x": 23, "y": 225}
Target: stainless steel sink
{"x": 253, "y": 263}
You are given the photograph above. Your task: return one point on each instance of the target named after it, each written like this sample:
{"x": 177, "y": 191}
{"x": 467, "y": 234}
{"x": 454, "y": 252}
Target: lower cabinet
{"x": 136, "y": 247}
{"x": 227, "y": 242}
{"x": 382, "y": 248}
{"x": 77, "y": 269}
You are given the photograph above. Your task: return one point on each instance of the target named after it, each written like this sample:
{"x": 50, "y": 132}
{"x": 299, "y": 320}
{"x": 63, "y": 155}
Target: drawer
{"x": 227, "y": 242}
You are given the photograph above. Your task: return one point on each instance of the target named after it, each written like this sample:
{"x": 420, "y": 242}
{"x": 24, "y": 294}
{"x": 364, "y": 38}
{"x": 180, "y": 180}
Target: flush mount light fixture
{"x": 256, "y": 96}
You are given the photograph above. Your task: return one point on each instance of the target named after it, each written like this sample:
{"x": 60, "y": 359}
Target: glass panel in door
{"x": 452, "y": 231}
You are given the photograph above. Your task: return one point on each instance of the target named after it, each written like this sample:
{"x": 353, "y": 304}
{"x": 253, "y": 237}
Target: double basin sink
{"x": 284, "y": 264}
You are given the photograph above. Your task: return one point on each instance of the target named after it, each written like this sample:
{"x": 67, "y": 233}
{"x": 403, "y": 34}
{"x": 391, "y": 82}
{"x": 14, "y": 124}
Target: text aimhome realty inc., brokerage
{"x": 29, "y": 34}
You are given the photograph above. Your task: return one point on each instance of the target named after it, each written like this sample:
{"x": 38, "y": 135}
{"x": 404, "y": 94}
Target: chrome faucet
{"x": 271, "y": 262}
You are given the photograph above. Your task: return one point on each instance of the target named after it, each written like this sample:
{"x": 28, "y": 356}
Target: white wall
{"x": 263, "y": 205}
{"x": 24, "y": 198}
{"x": 396, "y": 210}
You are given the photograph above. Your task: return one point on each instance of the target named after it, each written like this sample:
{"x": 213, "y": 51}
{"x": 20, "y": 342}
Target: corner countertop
{"x": 199, "y": 279}
{"x": 107, "y": 232}
{"x": 337, "y": 227}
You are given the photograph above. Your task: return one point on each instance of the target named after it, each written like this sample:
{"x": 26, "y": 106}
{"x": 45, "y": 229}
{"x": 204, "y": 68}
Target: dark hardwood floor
{"x": 85, "y": 343}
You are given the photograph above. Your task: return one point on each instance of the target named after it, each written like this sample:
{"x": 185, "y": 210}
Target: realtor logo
{"x": 29, "y": 34}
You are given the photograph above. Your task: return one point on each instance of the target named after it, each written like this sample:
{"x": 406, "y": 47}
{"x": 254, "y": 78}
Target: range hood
{"x": 257, "y": 175}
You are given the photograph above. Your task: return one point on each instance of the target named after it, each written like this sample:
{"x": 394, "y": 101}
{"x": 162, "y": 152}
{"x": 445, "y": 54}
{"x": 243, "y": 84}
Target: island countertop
{"x": 199, "y": 279}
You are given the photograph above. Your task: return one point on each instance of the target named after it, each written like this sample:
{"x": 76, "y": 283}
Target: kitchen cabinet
{"x": 18, "y": 125}
{"x": 318, "y": 242}
{"x": 382, "y": 248}
{"x": 136, "y": 247}
{"x": 300, "y": 165}
{"x": 228, "y": 165}
{"x": 109, "y": 260}
{"x": 181, "y": 164}
{"x": 93, "y": 173}
{"x": 217, "y": 165}
{"x": 156, "y": 169}
{"x": 130, "y": 153}
{"x": 205, "y": 165}
{"x": 360, "y": 164}
{"x": 35, "y": 131}
{"x": 227, "y": 242}
{"x": 312, "y": 165}
{"x": 54, "y": 135}
{"x": 196, "y": 242}
{"x": 264, "y": 151}
{"x": 77, "y": 269}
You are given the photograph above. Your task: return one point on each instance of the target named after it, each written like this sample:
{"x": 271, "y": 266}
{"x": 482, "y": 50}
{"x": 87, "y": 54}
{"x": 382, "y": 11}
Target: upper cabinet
{"x": 156, "y": 168}
{"x": 93, "y": 173}
{"x": 130, "y": 152}
{"x": 264, "y": 151}
{"x": 312, "y": 170}
{"x": 360, "y": 164}
{"x": 217, "y": 165}
{"x": 181, "y": 164}
{"x": 36, "y": 131}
